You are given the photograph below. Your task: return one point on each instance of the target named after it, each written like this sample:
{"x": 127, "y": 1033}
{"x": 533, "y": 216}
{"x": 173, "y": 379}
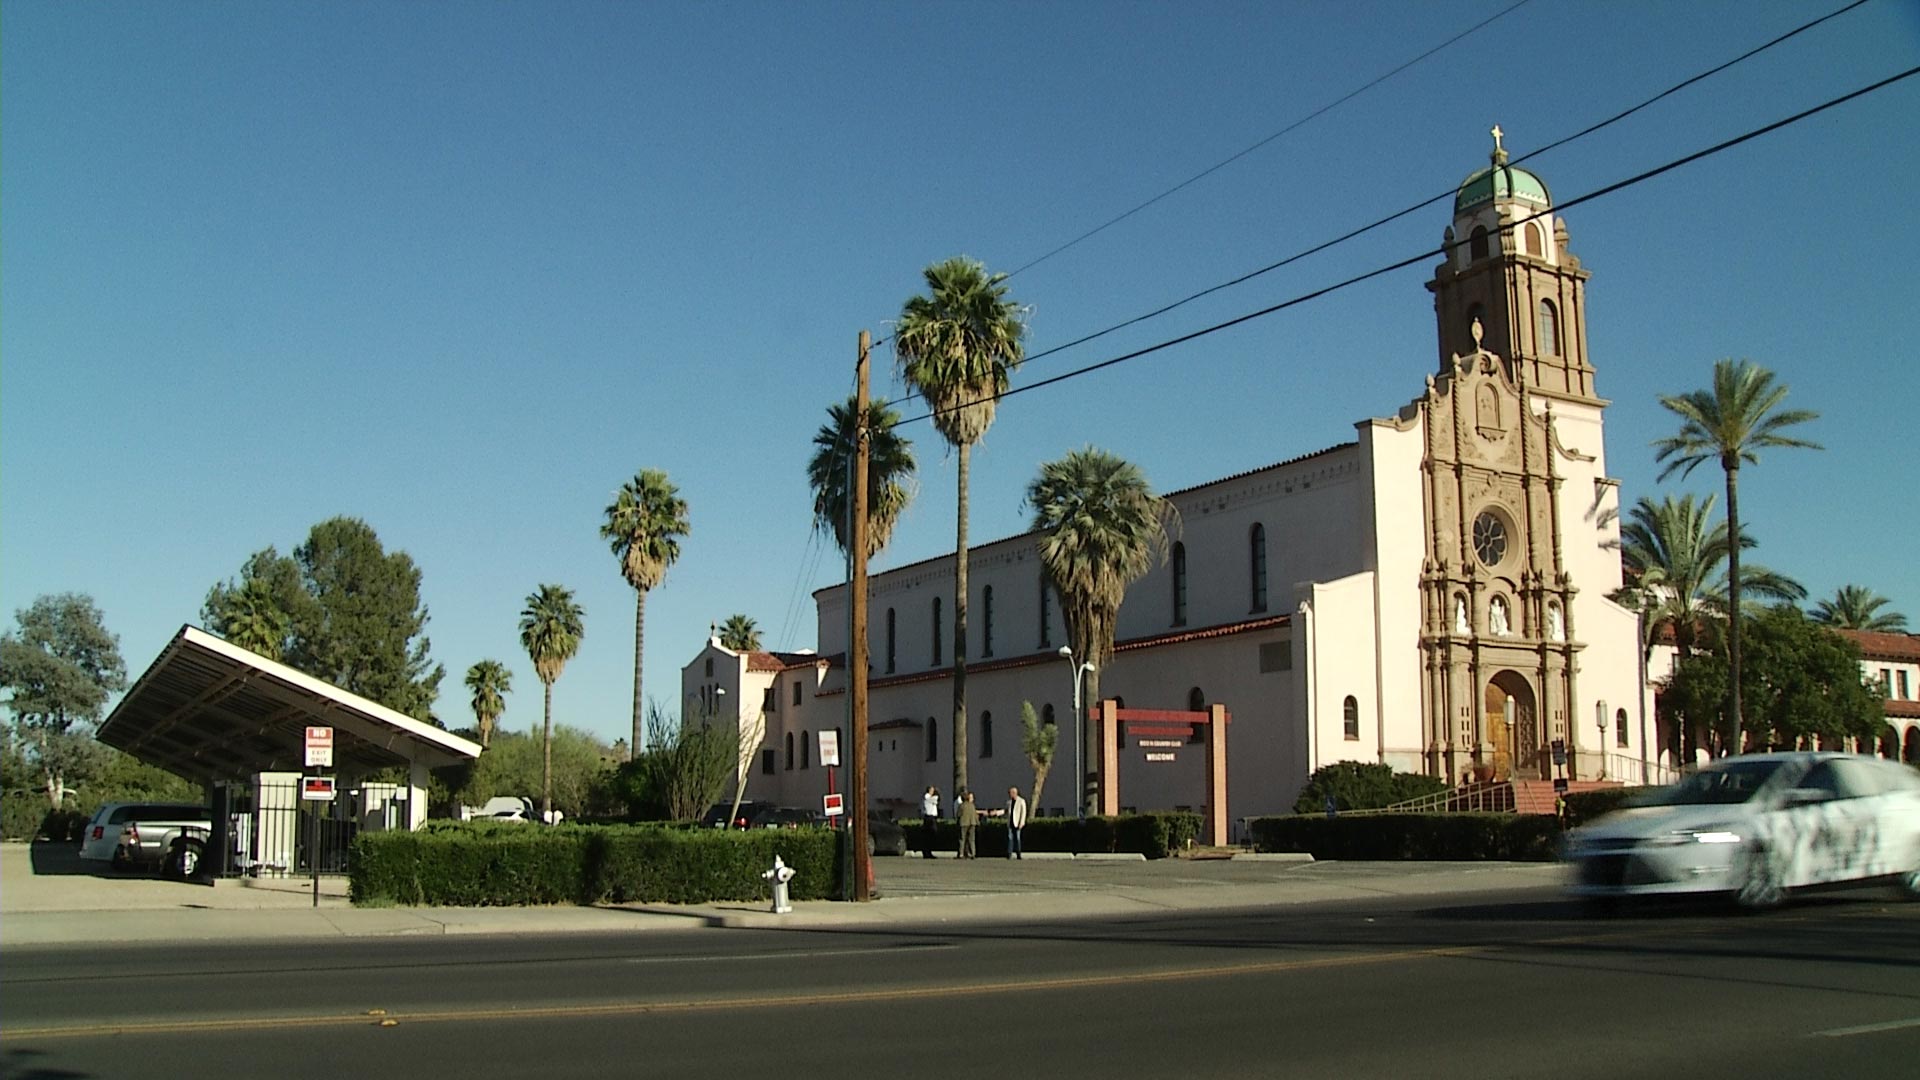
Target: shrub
{"x": 1437, "y": 837}
{"x": 1584, "y": 806}
{"x": 1358, "y": 785}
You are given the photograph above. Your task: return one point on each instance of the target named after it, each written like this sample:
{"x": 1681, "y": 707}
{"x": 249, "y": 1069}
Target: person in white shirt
{"x": 929, "y": 820}
{"x": 1016, "y": 814}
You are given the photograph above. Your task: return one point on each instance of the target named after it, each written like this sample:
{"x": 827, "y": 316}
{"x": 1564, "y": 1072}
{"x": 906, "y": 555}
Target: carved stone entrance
{"x": 1512, "y": 728}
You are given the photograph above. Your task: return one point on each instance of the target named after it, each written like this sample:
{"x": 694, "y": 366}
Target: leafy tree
{"x": 1104, "y": 529}
{"x": 1358, "y": 785}
{"x": 956, "y": 347}
{"x": 516, "y": 764}
{"x": 1037, "y": 741}
{"x": 890, "y": 472}
{"x": 1856, "y": 607}
{"x": 551, "y": 626}
{"x": 57, "y": 668}
{"x": 342, "y": 609}
{"x": 740, "y": 633}
{"x": 1675, "y": 554}
{"x": 1730, "y": 423}
{"x": 684, "y": 768}
{"x": 490, "y": 682}
{"x": 644, "y": 525}
{"x": 1803, "y": 684}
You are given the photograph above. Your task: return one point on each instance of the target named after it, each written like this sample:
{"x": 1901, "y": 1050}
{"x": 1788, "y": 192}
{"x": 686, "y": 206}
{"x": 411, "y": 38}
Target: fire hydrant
{"x": 780, "y": 875}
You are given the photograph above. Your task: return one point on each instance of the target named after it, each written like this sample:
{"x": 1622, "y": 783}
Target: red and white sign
{"x": 316, "y": 789}
{"x": 320, "y": 748}
{"x": 829, "y": 747}
{"x": 831, "y": 805}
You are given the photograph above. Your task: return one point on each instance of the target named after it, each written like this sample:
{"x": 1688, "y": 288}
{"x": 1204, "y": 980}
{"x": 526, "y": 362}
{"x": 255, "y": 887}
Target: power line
{"x": 1315, "y": 114}
{"x": 1423, "y": 204}
{"x": 1446, "y": 248}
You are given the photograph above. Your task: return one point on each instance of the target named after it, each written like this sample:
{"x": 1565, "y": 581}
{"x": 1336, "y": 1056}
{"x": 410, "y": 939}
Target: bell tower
{"x": 1508, "y": 267}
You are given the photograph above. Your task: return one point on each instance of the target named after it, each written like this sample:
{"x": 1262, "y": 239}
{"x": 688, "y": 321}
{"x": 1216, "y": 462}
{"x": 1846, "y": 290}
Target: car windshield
{"x": 1732, "y": 782}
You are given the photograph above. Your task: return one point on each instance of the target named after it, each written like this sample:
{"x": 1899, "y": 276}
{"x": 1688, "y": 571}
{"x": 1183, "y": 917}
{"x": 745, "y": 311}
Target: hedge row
{"x": 1156, "y": 835}
{"x": 1437, "y": 837}
{"x": 495, "y": 865}
{"x": 1584, "y": 806}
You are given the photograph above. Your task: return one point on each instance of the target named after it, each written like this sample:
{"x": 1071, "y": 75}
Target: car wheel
{"x": 1756, "y": 883}
{"x": 183, "y": 861}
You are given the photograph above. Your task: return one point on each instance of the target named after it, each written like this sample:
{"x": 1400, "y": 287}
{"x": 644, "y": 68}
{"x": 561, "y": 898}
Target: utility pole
{"x": 857, "y": 643}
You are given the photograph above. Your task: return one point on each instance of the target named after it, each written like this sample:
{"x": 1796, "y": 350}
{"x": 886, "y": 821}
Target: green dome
{"x": 1503, "y": 182}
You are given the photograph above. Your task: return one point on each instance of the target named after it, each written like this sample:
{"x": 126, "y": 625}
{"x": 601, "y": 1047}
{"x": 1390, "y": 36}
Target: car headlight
{"x": 1718, "y": 835}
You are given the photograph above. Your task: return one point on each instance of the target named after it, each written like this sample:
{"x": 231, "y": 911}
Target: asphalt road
{"x": 1492, "y": 984}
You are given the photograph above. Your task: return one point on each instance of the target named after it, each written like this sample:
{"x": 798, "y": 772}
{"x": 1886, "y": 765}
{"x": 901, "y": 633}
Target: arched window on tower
{"x": 933, "y": 739}
{"x": 1046, "y": 611}
{"x": 1477, "y": 243}
{"x": 1531, "y": 238}
{"x": 1179, "y": 584}
{"x": 1620, "y": 727}
{"x": 1257, "y": 543}
{"x": 1350, "y": 717}
{"x": 986, "y": 734}
{"x": 893, "y": 639}
{"x": 789, "y": 751}
{"x": 1549, "y": 329}
{"x": 806, "y": 751}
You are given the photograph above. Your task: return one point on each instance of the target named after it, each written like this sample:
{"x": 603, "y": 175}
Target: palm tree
{"x": 740, "y": 633}
{"x": 1856, "y": 607}
{"x": 255, "y": 621}
{"x": 490, "y": 682}
{"x": 956, "y": 347}
{"x": 644, "y": 525}
{"x": 890, "y": 470}
{"x": 1675, "y": 555}
{"x": 1104, "y": 529}
{"x": 1730, "y": 423}
{"x": 1037, "y": 741}
{"x": 551, "y": 626}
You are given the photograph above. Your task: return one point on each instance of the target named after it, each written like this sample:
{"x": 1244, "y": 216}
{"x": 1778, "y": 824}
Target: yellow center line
{"x": 379, "y": 1017}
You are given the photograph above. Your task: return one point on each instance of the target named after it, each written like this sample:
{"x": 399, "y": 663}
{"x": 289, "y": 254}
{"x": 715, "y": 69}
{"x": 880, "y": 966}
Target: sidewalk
{"x": 59, "y": 901}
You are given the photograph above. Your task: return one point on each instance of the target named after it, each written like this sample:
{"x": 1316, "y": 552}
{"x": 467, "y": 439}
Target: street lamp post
{"x": 1079, "y": 771}
{"x": 1600, "y": 720}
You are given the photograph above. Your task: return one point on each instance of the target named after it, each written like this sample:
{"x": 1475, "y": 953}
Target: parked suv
{"x": 145, "y": 842}
{"x": 101, "y": 841}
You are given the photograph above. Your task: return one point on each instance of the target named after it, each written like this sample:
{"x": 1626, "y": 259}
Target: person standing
{"x": 969, "y": 824}
{"x": 1016, "y": 820}
{"x": 929, "y": 820}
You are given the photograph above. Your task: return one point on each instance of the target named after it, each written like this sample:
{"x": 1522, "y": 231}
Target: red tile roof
{"x": 1875, "y": 645}
{"x": 761, "y": 660}
{"x": 1903, "y": 710}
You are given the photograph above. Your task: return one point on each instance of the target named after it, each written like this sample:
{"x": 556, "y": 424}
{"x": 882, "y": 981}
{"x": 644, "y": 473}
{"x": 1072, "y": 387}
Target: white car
{"x": 1755, "y": 827}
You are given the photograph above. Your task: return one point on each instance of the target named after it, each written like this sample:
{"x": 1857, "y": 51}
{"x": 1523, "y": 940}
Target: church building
{"x": 1432, "y": 595}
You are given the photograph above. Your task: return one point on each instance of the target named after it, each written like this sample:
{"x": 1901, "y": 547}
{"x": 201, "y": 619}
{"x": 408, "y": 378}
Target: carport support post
{"x": 418, "y": 776}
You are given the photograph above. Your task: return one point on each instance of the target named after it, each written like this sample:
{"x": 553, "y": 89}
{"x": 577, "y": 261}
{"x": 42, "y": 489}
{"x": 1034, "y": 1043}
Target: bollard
{"x": 779, "y": 876}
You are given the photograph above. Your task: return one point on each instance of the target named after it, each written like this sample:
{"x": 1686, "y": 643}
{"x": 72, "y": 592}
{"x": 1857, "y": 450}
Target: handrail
{"x": 1493, "y": 798}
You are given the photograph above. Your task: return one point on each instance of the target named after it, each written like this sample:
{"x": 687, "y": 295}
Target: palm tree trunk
{"x": 960, "y": 632}
{"x": 546, "y": 759}
{"x": 639, "y": 640}
{"x": 1734, "y": 724}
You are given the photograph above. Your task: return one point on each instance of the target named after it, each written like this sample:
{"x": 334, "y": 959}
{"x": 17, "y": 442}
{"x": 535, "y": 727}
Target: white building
{"x": 1432, "y": 595}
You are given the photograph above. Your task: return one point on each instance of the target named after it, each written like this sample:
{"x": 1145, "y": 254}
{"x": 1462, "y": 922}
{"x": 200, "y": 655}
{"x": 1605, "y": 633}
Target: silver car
{"x": 1755, "y": 827}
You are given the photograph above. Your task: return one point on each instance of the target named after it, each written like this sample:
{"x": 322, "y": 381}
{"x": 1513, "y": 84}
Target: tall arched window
{"x": 1179, "y": 584}
{"x": 1531, "y": 238}
{"x": 1350, "y": 717}
{"x": 933, "y": 739}
{"x": 986, "y": 734}
{"x": 1046, "y": 714}
{"x": 893, "y": 639}
{"x": 1257, "y": 545}
{"x": 1477, "y": 243}
{"x": 1620, "y": 727}
{"x": 1046, "y": 611}
{"x": 1549, "y": 329}
{"x": 789, "y": 751}
{"x": 806, "y": 751}
{"x": 986, "y": 621}
{"x": 936, "y": 631}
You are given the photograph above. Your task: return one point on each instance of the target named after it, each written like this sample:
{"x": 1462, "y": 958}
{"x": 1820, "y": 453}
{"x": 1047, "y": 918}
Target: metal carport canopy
{"x": 209, "y": 710}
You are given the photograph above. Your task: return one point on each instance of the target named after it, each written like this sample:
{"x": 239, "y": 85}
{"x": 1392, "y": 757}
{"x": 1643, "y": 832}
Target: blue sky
{"x": 462, "y": 269}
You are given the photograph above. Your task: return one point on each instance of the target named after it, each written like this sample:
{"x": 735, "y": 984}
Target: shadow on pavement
{"x": 51, "y": 858}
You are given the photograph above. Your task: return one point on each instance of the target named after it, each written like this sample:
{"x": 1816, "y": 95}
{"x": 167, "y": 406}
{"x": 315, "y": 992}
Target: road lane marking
{"x": 845, "y": 997}
{"x": 802, "y": 954}
{"x": 1869, "y": 1029}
